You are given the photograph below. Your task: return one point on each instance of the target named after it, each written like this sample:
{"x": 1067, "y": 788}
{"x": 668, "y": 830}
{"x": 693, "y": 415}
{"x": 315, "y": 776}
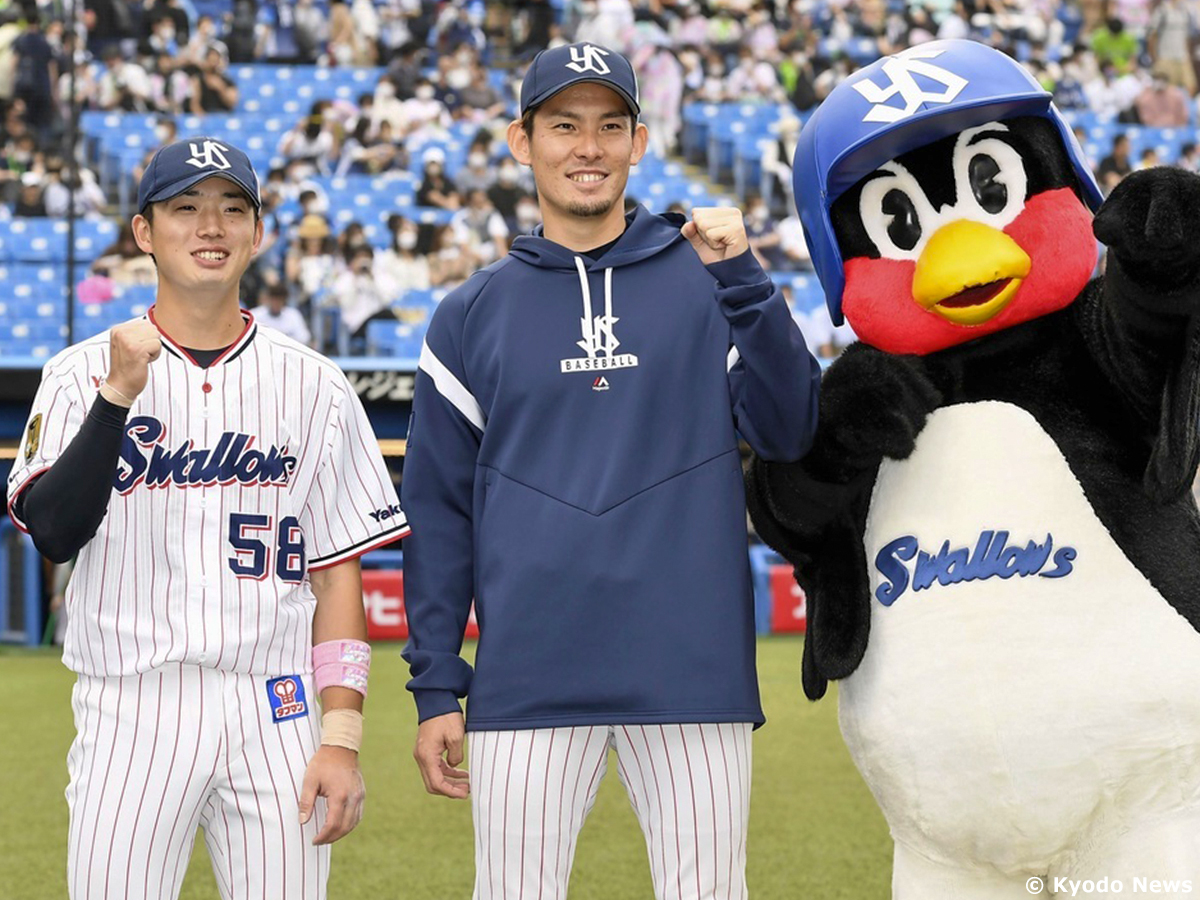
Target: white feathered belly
{"x": 1017, "y": 688}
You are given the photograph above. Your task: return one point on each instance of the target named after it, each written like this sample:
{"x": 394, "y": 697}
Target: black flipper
{"x": 813, "y": 512}
{"x": 1141, "y": 328}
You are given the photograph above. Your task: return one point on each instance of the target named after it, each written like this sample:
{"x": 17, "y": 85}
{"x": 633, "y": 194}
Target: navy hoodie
{"x": 572, "y": 464}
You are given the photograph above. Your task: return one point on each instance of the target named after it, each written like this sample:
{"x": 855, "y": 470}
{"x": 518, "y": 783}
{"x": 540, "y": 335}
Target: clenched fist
{"x": 132, "y": 346}
{"x": 716, "y": 233}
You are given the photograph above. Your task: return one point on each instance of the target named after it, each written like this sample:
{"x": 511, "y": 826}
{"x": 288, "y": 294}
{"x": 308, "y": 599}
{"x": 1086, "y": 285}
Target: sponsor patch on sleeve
{"x": 33, "y": 437}
{"x": 287, "y": 698}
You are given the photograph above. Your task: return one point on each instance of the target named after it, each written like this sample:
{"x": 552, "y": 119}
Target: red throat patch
{"x": 1055, "y": 229}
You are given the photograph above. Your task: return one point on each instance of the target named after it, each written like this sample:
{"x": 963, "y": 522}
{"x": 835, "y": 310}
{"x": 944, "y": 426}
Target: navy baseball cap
{"x": 558, "y": 68}
{"x": 177, "y": 167}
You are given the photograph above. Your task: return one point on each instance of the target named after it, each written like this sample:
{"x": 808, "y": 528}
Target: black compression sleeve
{"x": 64, "y": 506}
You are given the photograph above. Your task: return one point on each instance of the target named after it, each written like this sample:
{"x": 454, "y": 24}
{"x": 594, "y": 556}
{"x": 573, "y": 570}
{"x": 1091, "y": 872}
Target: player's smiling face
{"x": 202, "y": 238}
{"x": 583, "y": 144}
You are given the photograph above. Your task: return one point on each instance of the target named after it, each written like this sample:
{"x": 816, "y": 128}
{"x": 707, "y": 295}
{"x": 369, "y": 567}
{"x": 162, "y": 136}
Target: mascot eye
{"x": 986, "y": 184}
{"x": 904, "y": 225}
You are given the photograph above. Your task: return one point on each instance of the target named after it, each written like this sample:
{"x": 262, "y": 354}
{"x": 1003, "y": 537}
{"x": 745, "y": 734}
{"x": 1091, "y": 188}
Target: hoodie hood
{"x": 646, "y": 234}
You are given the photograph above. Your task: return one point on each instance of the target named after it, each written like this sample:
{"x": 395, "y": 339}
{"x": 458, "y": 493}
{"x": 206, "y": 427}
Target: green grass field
{"x": 815, "y": 832}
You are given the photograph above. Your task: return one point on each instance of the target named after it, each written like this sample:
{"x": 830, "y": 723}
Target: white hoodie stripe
{"x": 451, "y": 388}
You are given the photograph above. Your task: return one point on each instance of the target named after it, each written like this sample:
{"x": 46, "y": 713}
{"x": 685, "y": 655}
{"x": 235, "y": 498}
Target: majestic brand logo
{"x": 993, "y": 557}
{"x": 901, "y": 71}
{"x": 143, "y": 458}
{"x": 589, "y": 58}
{"x": 286, "y": 696}
{"x": 600, "y": 384}
{"x": 209, "y": 155}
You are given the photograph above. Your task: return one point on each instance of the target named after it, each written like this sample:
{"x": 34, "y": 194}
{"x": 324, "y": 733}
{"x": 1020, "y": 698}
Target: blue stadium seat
{"x": 395, "y": 339}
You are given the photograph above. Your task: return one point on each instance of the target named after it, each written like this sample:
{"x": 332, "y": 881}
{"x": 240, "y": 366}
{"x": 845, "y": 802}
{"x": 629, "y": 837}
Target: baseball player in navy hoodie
{"x": 573, "y": 466}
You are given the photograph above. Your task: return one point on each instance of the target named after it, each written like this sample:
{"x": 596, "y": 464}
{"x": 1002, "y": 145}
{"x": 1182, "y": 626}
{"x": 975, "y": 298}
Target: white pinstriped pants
{"x": 689, "y": 786}
{"x": 157, "y": 754}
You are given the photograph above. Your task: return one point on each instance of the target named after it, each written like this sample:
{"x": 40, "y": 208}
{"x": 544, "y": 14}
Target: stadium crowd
{"x": 450, "y": 65}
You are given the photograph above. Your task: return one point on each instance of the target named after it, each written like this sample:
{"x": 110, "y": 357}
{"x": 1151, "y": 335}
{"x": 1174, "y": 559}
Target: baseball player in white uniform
{"x": 219, "y": 482}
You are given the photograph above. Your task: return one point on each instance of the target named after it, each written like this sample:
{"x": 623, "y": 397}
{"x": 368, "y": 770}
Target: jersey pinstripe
{"x": 233, "y": 482}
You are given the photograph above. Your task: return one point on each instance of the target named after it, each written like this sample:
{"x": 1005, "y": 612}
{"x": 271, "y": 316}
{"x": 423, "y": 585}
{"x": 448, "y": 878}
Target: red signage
{"x": 788, "y": 604}
{"x": 383, "y": 597}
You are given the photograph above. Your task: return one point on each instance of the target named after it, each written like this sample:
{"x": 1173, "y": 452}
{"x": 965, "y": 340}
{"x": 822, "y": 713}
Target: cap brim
{"x": 583, "y": 79}
{"x": 174, "y": 190}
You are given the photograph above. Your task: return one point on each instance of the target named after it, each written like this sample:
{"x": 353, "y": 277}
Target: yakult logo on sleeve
{"x": 143, "y": 458}
{"x": 901, "y": 71}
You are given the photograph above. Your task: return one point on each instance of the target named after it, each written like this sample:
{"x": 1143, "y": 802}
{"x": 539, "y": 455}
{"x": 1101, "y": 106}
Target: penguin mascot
{"x": 994, "y": 527}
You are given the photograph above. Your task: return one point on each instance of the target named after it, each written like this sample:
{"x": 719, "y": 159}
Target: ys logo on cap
{"x": 589, "y": 58}
{"x": 902, "y": 70}
{"x": 209, "y": 155}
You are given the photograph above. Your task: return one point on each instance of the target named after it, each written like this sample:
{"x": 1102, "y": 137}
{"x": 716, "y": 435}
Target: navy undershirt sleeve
{"x": 64, "y": 506}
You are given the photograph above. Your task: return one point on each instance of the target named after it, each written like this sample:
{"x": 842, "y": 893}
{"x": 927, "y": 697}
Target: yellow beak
{"x": 968, "y": 272}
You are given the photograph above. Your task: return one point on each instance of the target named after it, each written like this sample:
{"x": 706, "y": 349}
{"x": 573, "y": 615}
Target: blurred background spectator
{"x": 274, "y": 312}
{"x": 377, "y": 125}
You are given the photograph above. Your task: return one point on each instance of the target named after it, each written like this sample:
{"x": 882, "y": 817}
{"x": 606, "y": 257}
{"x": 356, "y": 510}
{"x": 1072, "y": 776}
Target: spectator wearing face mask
{"x": 507, "y": 191}
{"x": 777, "y": 159}
{"x": 362, "y": 292}
{"x": 29, "y": 201}
{"x": 310, "y": 265}
{"x": 170, "y": 86}
{"x": 204, "y": 39}
{"x": 124, "y": 85}
{"x": 165, "y": 132}
{"x": 273, "y": 311}
{"x": 436, "y": 189}
{"x": 310, "y": 145}
{"x": 426, "y": 118}
{"x": 603, "y": 23}
{"x": 763, "y": 238}
{"x": 1189, "y": 157}
{"x": 450, "y": 263}
{"x": 1162, "y": 104}
{"x": 161, "y": 41}
{"x": 309, "y": 29}
{"x": 407, "y": 269}
{"x": 352, "y": 238}
{"x": 529, "y": 215}
{"x": 479, "y": 97}
{"x": 90, "y": 200}
{"x": 212, "y": 89}
{"x": 478, "y": 173}
{"x": 481, "y": 228}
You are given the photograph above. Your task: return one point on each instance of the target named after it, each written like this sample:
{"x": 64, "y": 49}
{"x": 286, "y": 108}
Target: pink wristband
{"x": 342, "y": 664}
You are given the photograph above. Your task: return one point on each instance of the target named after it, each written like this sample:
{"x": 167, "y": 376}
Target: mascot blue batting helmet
{"x": 899, "y": 103}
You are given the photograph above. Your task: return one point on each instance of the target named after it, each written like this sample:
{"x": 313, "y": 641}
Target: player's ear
{"x": 518, "y": 143}
{"x": 141, "y": 233}
{"x": 259, "y": 231}
{"x": 641, "y": 139}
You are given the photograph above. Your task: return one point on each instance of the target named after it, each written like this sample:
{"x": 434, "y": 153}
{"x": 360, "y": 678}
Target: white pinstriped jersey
{"x": 233, "y": 482}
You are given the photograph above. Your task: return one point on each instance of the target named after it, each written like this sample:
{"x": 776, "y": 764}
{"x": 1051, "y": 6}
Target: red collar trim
{"x": 231, "y": 351}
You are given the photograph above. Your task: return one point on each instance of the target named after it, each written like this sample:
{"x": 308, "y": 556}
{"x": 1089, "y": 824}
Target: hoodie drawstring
{"x": 587, "y": 295}
{"x": 585, "y": 288}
